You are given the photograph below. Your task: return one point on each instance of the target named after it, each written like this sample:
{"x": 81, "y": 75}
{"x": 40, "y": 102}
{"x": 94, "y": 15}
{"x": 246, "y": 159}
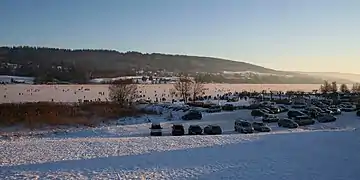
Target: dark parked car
{"x": 270, "y": 118}
{"x": 192, "y": 115}
{"x": 326, "y": 118}
{"x": 257, "y": 113}
{"x": 335, "y": 110}
{"x": 243, "y": 126}
{"x": 288, "y": 123}
{"x": 292, "y": 114}
{"x": 275, "y": 110}
{"x": 298, "y": 106}
{"x": 269, "y": 110}
{"x": 195, "y": 130}
{"x": 348, "y": 108}
{"x": 228, "y": 107}
{"x": 177, "y": 130}
{"x": 303, "y": 120}
{"x": 311, "y": 112}
{"x": 328, "y": 111}
{"x": 213, "y": 109}
{"x": 155, "y": 129}
{"x": 212, "y": 130}
{"x": 261, "y": 127}
{"x": 283, "y": 109}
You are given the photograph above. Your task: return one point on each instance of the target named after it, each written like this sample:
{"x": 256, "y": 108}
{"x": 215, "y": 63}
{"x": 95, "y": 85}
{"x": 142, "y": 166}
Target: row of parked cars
{"x": 241, "y": 126}
{"x": 179, "y": 130}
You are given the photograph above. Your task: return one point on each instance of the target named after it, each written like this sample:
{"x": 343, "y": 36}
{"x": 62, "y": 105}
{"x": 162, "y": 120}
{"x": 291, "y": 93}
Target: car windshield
{"x": 195, "y": 127}
{"x": 155, "y": 126}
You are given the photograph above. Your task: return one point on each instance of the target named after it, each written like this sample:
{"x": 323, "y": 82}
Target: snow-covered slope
{"x": 328, "y": 151}
{"x": 313, "y": 155}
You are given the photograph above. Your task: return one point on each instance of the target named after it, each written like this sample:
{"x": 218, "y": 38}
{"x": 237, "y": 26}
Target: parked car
{"x": 326, "y": 118}
{"x": 303, "y": 120}
{"x": 328, "y": 111}
{"x": 257, "y": 113}
{"x": 271, "y": 110}
{"x": 311, "y": 111}
{"x": 261, "y": 127}
{"x": 270, "y": 118}
{"x": 292, "y": 114}
{"x": 274, "y": 109}
{"x": 243, "y": 126}
{"x": 335, "y": 110}
{"x": 195, "y": 130}
{"x": 213, "y": 109}
{"x": 287, "y": 123}
{"x": 348, "y": 108}
{"x": 283, "y": 101}
{"x": 298, "y": 106}
{"x": 254, "y": 106}
{"x": 283, "y": 109}
{"x": 177, "y": 130}
{"x": 212, "y": 130}
{"x": 228, "y": 107}
{"x": 155, "y": 129}
{"x": 192, "y": 115}
{"x": 267, "y": 111}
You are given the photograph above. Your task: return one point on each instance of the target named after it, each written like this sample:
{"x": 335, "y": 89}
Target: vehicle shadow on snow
{"x": 264, "y": 158}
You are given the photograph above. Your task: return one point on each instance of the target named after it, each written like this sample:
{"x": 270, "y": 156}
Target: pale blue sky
{"x": 306, "y": 35}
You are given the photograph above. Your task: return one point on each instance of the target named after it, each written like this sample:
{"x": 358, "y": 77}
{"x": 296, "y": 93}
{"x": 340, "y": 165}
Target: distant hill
{"x": 81, "y": 65}
{"x": 334, "y": 75}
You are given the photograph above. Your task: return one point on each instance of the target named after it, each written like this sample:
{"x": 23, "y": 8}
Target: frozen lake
{"x": 73, "y": 93}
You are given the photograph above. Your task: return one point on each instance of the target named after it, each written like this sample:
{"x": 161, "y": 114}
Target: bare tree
{"x": 122, "y": 92}
{"x": 333, "y": 87}
{"x": 344, "y": 88}
{"x": 355, "y": 88}
{"x": 198, "y": 87}
{"x": 326, "y": 87}
{"x": 183, "y": 86}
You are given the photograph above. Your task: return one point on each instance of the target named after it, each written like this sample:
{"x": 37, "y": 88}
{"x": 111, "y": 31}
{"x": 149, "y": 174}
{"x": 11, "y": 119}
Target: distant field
{"x": 72, "y": 93}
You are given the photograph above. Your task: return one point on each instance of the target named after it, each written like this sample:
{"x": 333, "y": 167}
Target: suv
{"x": 177, "y": 130}
{"x": 288, "y": 123}
{"x": 261, "y": 127}
{"x": 192, "y": 115}
{"x": 212, "y": 130}
{"x": 155, "y": 129}
{"x": 243, "y": 126}
{"x": 195, "y": 130}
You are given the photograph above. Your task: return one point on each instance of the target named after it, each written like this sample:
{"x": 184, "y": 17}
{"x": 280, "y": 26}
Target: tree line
{"x": 332, "y": 87}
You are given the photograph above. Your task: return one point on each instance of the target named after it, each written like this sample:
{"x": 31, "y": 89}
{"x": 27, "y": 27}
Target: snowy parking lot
{"x": 323, "y": 151}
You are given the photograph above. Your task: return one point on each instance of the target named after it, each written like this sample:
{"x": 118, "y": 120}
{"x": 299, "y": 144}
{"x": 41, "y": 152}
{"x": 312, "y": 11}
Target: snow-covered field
{"x": 73, "y": 93}
{"x": 125, "y": 150}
